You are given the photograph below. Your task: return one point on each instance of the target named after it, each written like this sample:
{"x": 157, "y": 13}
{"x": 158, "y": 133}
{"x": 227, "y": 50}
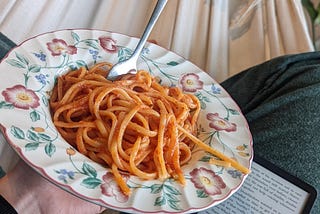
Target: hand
{"x": 28, "y": 192}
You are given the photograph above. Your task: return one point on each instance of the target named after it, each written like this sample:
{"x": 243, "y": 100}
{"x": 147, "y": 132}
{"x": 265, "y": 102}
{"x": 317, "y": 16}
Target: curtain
{"x": 222, "y": 37}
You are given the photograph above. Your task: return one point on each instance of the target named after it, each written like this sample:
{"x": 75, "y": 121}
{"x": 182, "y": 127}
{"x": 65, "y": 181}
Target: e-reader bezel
{"x": 290, "y": 178}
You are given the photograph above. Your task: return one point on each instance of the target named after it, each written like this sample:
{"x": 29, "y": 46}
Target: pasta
{"x": 133, "y": 125}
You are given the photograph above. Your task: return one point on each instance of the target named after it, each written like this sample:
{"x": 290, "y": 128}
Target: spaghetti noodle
{"x": 133, "y": 124}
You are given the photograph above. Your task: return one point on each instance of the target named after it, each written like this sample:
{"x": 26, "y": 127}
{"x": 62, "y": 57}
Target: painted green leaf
{"x": 44, "y": 137}
{"x": 31, "y": 146}
{"x": 22, "y": 59}
{"x": 81, "y": 63}
{"x": 91, "y": 182}
{"x": 124, "y": 54}
{"x": 199, "y": 95}
{"x": 17, "y": 132}
{"x": 172, "y": 197}
{"x": 160, "y": 201}
{"x": 34, "y": 68}
{"x": 122, "y": 58}
{"x": 71, "y": 176}
{"x": 205, "y": 158}
{"x": 91, "y": 44}
{"x": 15, "y": 63}
{"x": 156, "y": 188}
{"x": 201, "y": 193}
{"x": 174, "y": 205}
{"x": 75, "y": 36}
{"x": 172, "y": 190}
{"x": 173, "y": 63}
{"x": 206, "y": 99}
{"x": 203, "y": 105}
{"x": 233, "y": 111}
{"x": 50, "y": 149}
{"x": 73, "y": 67}
{"x": 6, "y": 105}
{"x": 45, "y": 100}
{"x": 89, "y": 170}
{"x": 120, "y": 52}
{"x": 32, "y": 136}
{"x": 34, "y": 115}
{"x": 128, "y": 51}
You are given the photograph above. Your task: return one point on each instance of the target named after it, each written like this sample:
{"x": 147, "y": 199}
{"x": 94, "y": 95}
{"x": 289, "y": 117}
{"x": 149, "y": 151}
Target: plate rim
{"x": 99, "y": 201}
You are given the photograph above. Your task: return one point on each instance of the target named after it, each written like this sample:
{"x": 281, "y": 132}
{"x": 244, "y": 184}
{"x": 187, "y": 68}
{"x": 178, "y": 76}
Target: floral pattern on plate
{"x": 28, "y": 74}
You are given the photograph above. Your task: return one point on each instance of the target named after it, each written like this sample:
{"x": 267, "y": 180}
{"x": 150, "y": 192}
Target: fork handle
{"x": 153, "y": 19}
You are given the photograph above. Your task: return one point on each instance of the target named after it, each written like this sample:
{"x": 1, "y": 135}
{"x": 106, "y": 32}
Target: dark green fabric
{"x": 5, "y": 45}
{"x": 2, "y": 173}
{"x": 281, "y": 101}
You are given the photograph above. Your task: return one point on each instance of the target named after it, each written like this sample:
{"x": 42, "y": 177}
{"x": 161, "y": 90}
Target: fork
{"x": 130, "y": 64}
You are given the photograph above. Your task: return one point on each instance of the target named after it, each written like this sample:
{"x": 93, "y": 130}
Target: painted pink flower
{"x": 108, "y": 44}
{"x": 59, "y": 46}
{"x": 207, "y": 181}
{"x": 219, "y": 123}
{"x": 111, "y": 188}
{"x": 20, "y": 97}
{"x": 191, "y": 82}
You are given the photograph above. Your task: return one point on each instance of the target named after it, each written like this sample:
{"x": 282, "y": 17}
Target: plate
{"x": 28, "y": 74}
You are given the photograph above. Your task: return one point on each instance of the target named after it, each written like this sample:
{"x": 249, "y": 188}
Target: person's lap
{"x": 280, "y": 100}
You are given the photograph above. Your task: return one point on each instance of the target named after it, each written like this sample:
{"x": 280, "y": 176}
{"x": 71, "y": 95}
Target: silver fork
{"x": 130, "y": 65}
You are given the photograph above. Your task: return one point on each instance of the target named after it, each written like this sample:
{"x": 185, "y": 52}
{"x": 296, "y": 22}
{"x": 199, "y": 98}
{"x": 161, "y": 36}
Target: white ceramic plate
{"x": 27, "y": 76}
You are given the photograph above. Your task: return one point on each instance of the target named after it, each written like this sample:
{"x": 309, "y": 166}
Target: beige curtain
{"x": 222, "y": 37}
